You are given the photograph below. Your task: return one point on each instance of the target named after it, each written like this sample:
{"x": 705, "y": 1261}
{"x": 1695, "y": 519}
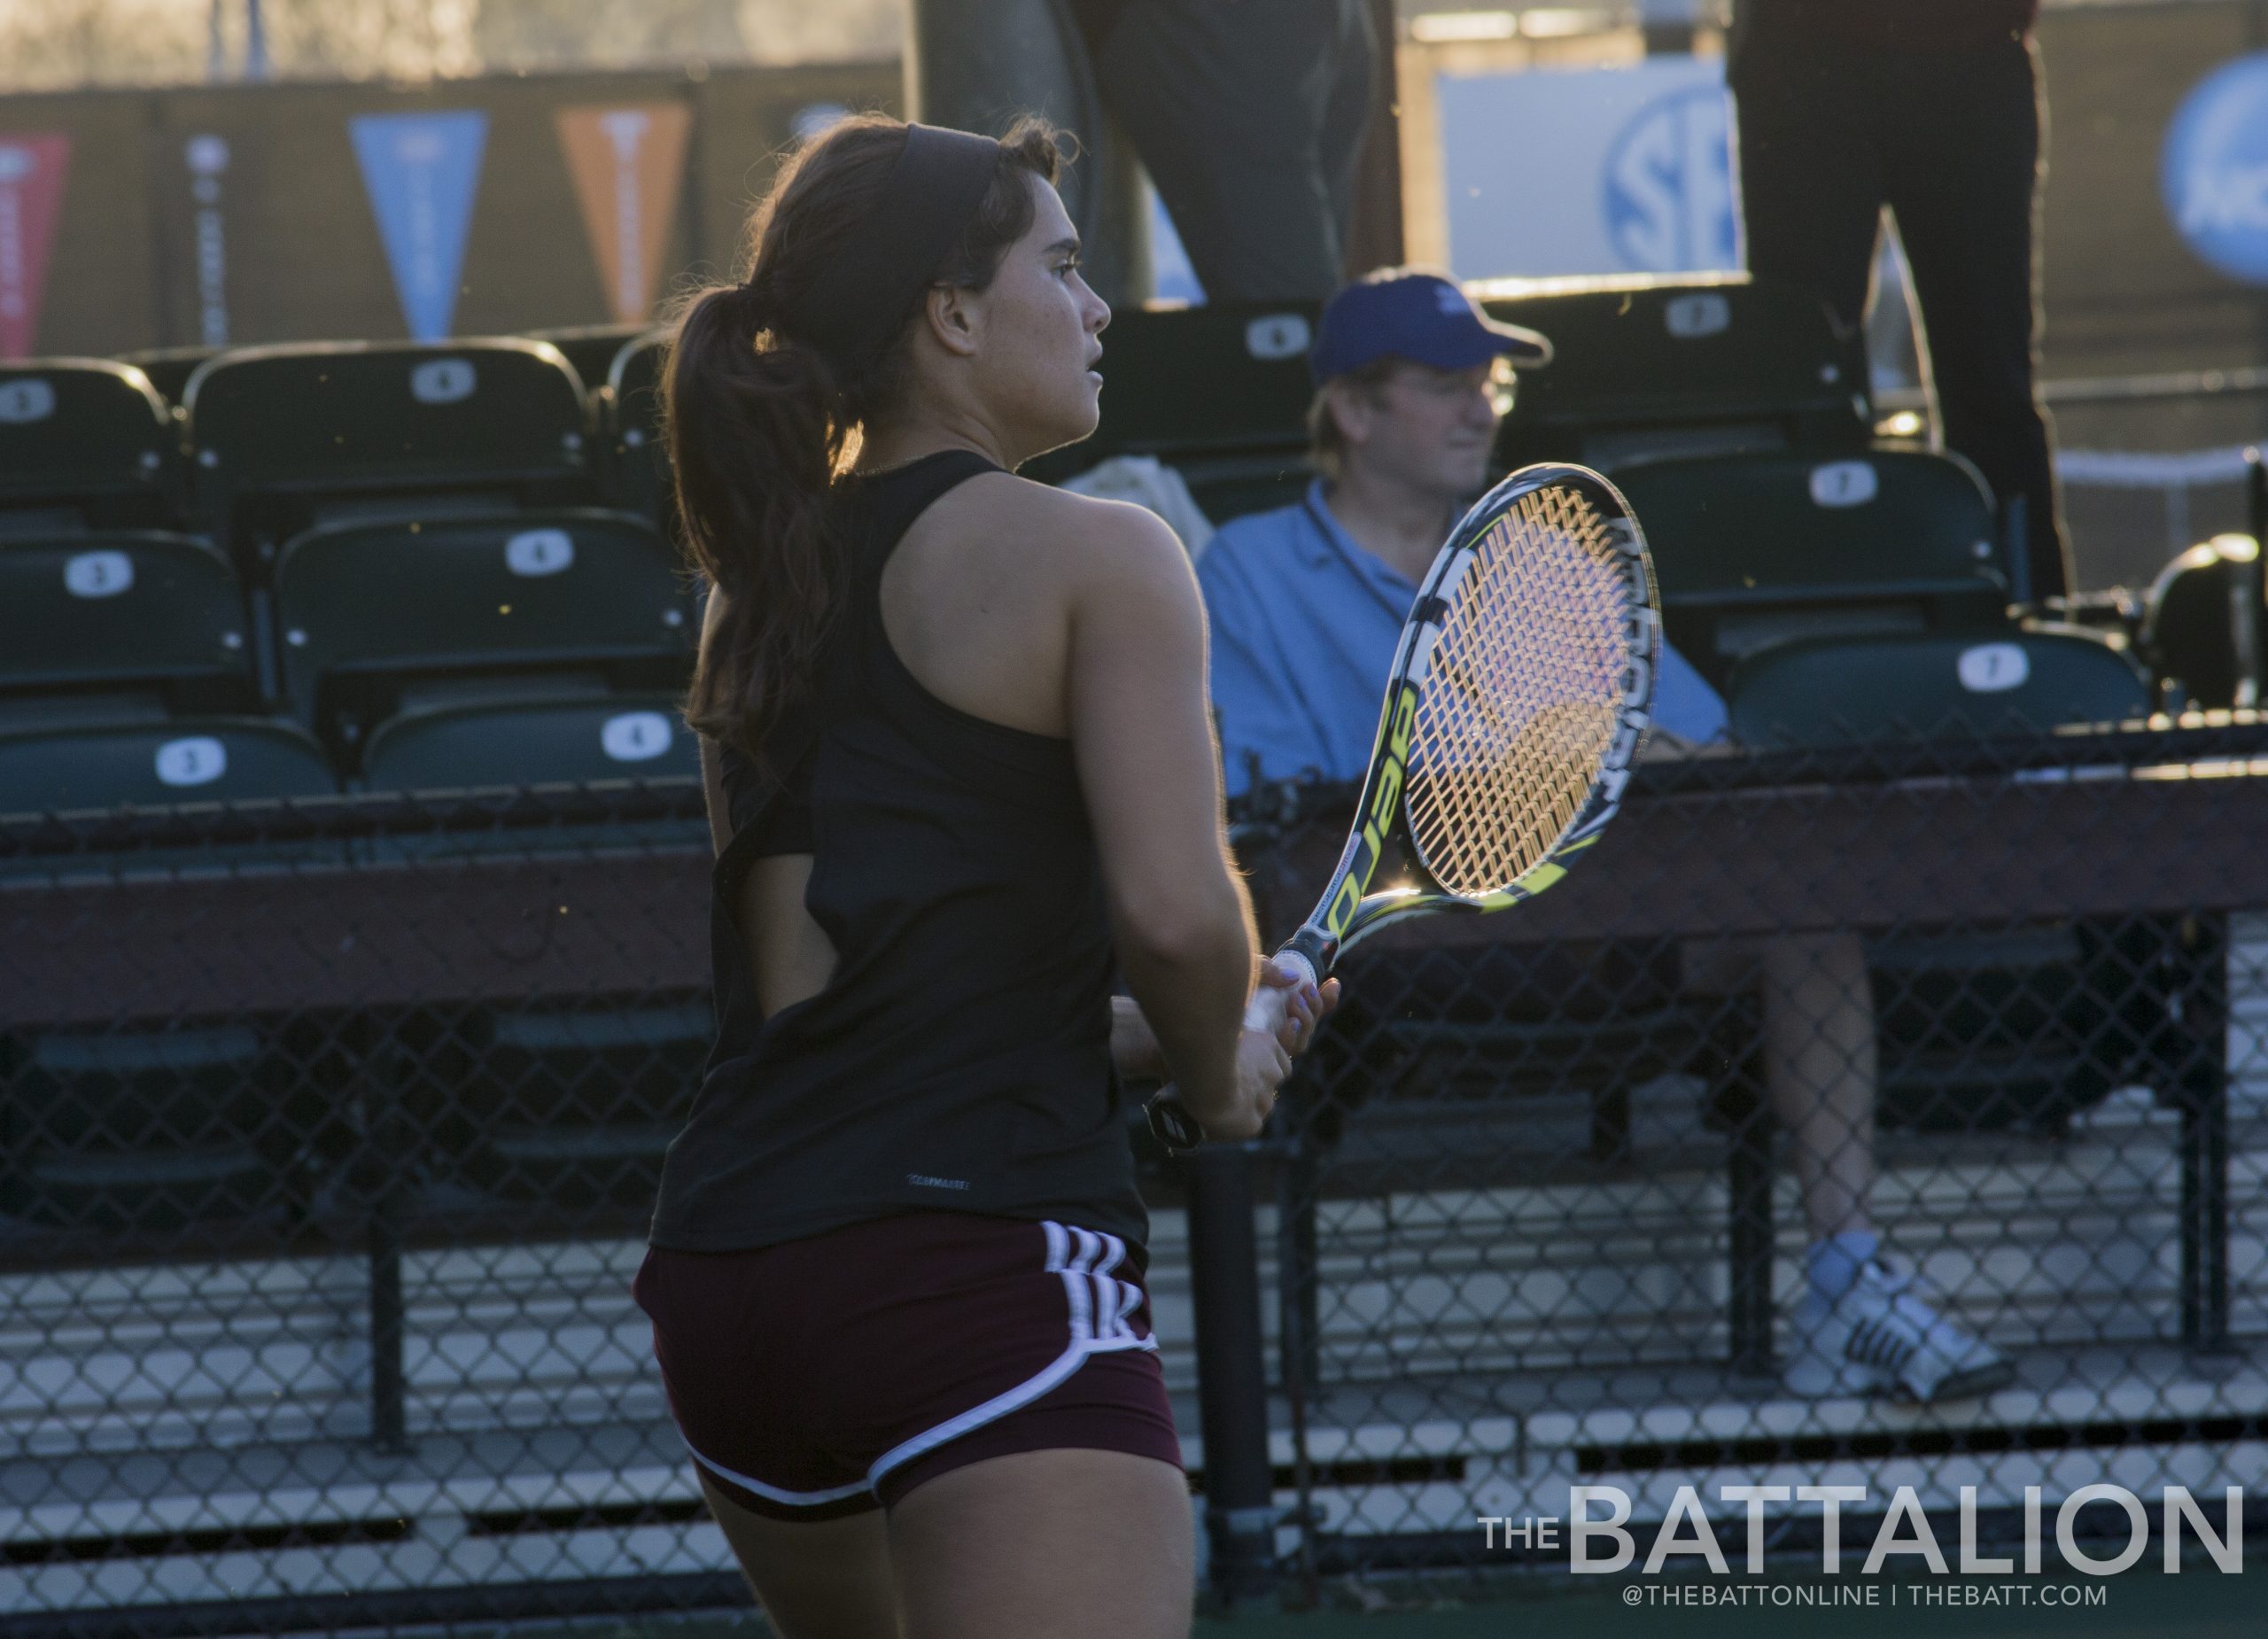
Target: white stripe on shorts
{"x": 1072, "y": 1253}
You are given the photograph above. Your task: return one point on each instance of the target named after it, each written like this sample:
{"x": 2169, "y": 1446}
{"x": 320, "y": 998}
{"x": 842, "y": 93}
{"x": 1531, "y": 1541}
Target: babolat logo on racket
{"x": 1385, "y": 796}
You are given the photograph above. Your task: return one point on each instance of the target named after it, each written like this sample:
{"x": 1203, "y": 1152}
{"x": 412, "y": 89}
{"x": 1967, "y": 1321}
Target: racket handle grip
{"x": 1264, "y": 1013}
{"x": 1170, "y": 1122}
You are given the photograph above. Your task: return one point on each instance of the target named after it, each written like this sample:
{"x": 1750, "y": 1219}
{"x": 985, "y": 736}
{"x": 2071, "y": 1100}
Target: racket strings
{"x": 1523, "y": 697}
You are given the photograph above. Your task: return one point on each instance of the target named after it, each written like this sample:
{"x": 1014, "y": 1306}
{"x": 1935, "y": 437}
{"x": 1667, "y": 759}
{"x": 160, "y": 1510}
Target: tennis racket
{"x": 1520, "y": 690}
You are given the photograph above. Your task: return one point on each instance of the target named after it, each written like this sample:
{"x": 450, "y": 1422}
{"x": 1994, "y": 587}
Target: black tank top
{"x": 960, "y": 1058}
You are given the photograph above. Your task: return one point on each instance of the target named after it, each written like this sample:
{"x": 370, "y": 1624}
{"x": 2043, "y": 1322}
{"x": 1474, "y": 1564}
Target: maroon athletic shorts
{"x": 832, "y": 1375}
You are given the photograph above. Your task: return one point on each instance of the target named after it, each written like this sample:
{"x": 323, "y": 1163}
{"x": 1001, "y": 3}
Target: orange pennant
{"x": 628, "y": 162}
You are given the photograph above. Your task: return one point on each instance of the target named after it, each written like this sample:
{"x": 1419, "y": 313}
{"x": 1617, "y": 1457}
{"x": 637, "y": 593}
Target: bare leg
{"x": 827, "y": 1580}
{"x": 1047, "y": 1545}
{"x": 1818, "y": 1063}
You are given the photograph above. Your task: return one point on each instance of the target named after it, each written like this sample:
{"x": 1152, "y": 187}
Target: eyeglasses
{"x": 1450, "y": 387}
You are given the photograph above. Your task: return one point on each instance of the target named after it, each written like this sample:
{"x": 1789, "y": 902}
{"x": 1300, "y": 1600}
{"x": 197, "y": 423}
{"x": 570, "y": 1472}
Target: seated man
{"x": 1306, "y": 605}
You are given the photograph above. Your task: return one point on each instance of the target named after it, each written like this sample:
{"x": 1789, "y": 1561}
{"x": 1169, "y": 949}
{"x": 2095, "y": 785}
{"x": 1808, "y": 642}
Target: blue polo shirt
{"x": 1304, "y": 624}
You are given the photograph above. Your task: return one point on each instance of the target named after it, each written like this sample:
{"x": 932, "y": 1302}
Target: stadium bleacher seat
{"x": 107, "y": 764}
{"x": 85, "y": 444}
{"x": 531, "y": 743}
{"x": 1645, "y": 367}
{"x": 2189, "y": 620}
{"x": 1827, "y": 691}
{"x": 1751, "y": 551}
{"x": 570, "y": 1107}
{"x": 376, "y": 617}
{"x": 637, "y": 464}
{"x": 286, "y": 438}
{"x": 1220, "y": 393}
{"x": 169, "y": 368}
{"x": 126, "y": 1131}
{"x": 120, "y": 624}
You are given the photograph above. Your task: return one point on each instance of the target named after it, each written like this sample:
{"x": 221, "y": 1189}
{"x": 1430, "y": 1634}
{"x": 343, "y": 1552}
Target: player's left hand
{"x": 1304, "y": 1009}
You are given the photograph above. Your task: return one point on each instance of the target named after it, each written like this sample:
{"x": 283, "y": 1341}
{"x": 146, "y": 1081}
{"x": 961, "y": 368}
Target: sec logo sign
{"x": 1668, "y": 185}
{"x": 2213, "y": 169}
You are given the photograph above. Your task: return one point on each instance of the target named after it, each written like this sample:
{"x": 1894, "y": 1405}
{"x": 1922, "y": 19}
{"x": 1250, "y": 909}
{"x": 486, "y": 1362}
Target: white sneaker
{"x": 1880, "y": 1338}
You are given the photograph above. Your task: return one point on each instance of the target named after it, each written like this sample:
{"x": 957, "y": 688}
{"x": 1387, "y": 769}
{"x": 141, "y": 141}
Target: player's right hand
{"x": 1261, "y": 1066}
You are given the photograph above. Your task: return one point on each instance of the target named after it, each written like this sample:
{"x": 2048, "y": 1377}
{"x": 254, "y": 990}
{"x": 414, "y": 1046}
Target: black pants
{"x": 1249, "y": 115}
{"x": 1950, "y": 141}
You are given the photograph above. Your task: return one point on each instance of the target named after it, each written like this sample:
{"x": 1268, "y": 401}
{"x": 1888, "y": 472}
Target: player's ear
{"x": 955, "y": 318}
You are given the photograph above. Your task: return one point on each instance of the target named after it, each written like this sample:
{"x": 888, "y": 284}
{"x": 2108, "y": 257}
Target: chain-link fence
{"x": 327, "y": 1132}
{"x": 1879, "y": 1119}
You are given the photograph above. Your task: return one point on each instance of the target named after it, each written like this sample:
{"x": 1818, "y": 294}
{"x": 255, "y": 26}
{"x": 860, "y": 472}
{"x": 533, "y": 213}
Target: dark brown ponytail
{"x": 760, "y": 423}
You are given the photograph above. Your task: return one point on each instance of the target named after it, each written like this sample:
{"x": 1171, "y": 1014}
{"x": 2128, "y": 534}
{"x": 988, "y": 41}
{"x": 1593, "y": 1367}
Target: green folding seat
{"x": 1226, "y": 378}
{"x": 531, "y": 741}
{"x": 1983, "y": 1027}
{"x": 1751, "y": 551}
{"x": 284, "y": 438}
{"x": 139, "y": 1125}
{"x": 85, "y": 443}
{"x": 62, "y": 766}
{"x": 121, "y": 622}
{"x": 1219, "y": 392}
{"x": 565, "y": 1109}
{"x": 1693, "y": 365}
{"x": 1828, "y": 691}
{"x": 377, "y": 617}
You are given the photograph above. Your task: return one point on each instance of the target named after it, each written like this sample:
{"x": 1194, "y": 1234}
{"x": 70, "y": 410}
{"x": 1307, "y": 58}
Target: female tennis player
{"x": 961, "y": 773}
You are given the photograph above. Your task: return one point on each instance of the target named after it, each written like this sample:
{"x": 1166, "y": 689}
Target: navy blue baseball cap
{"x": 1419, "y": 316}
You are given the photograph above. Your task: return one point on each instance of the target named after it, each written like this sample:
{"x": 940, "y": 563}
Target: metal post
{"x": 389, "y": 1383}
{"x": 2204, "y": 1080}
{"x": 1299, "y": 1282}
{"x": 978, "y": 64}
{"x": 1231, "y": 1373}
{"x": 1751, "y": 1236}
{"x": 2015, "y": 526}
{"x": 1299, "y": 1358}
{"x": 381, "y": 1171}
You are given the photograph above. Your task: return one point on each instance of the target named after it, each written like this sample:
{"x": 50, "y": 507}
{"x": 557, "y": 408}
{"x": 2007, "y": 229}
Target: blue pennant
{"x": 420, "y": 171}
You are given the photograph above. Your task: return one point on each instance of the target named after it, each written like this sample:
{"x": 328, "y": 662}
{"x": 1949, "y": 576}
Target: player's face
{"x": 1431, "y": 429}
{"x": 1041, "y": 328}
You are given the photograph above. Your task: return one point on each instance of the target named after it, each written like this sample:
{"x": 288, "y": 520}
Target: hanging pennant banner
{"x": 31, "y": 197}
{"x": 628, "y": 162}
{"x": 420, "y": 171}
{"x": 207, "y": 155}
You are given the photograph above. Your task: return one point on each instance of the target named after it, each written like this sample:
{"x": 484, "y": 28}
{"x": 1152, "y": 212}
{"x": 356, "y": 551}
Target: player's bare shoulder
{"x": 1094, "y": 548}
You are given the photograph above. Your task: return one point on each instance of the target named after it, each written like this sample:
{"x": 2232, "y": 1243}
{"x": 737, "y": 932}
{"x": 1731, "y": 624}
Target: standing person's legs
{"x": 1043, "y": 1544}
{"x": 1347, "y": 114}
{"x": 1228, "y": 106}
{"x": 825, "y": 1580}
{"x": 1810, "y": 185}
{"x": 1817, "y": 1052}
{"x": 829, "y": 1389}
{"x": 1963, "y": 159}
{"x": 1030, "y": 1546}
{"x": 1820, "y": 1070}
{"x": 1862, "y": 1325}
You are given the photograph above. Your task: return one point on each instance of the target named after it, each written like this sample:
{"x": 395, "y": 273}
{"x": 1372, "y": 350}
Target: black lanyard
{"x": 1331, "y": 530}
